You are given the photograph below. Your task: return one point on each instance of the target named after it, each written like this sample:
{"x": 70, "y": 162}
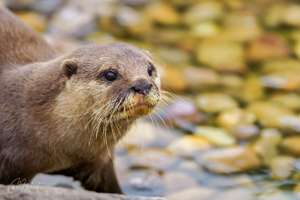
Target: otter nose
{"x": 142, "y": 88}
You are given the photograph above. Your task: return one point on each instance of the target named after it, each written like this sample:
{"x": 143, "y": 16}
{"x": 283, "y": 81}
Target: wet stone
{"x": 230, "y": 56}
{"x": 203, "y": 11}
{"x": 173, "y": 80}
{"x": 142, "y": 183}
{"x": 282, "y": 167}
{"x": 232, "y": 117}
{"x": 217, "y": 136}
{"x": 229, "y": 160}
{"x": 289, "y": 100}
{"x": 199, "y": 193}
{"x": 177, "y": 181}
{"x": 267, "y": 145}
{"x": 267, "y": 46}
{"x": 189, "y": 145}
{"x": 215, "y": 102}
{"x": 200, "y": 78}
{"x": 291, "y": 145}
{"x": 269, "y": 114}
{"x": 237, "y": 193}
{"x": 153, "y": 158}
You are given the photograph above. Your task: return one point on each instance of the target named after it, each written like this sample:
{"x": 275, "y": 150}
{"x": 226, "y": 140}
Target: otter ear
{"x": 69, "y": 67}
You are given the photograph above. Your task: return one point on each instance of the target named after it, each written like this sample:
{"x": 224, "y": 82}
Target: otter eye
{"x": 150, "y": 70}
{"x": 110, "y": 76}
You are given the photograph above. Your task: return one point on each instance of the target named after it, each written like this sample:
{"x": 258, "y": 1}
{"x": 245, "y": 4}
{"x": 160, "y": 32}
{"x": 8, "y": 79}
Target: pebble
{"x": 267, "y": 46}
{"x": 211, "y": 102}
{"x": 281, "y": 167}
{"x": 268, "y": 113}
{"x": 217, "y": 136}
{"x": 230, "y": 55}
{"x": 173, "y": 80}
{"x": 163, "y": 13}
{"x": 232, "y": 117}
{"x": 152, "y": 158}
{"x": 177, "y": 181}
{"x": 237, "y": 193}
{"x": 229, "y": 160}
{"x": 203, "y": 11}
{"x": 189, "y": 145}
{"x": 267, "y": 145}
{"x": 143, "y": 183}
{"x": 200, "y": 78}
{"x": 290, "y": 100}
{"x": 196, "y": 193}
{"x": 291, "y": 145}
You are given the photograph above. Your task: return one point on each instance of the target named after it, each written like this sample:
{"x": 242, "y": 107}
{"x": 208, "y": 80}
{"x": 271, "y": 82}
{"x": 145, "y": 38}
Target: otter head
{"x": 110, "y": 83}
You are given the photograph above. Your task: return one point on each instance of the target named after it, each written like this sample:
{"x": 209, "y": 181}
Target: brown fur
{"x": 59, "y": 114}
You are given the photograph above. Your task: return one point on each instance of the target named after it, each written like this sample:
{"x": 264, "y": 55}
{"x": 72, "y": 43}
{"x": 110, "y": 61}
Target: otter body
{"x": 64, "y": 114}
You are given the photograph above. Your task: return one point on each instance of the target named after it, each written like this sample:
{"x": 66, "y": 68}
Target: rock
{"x": 269, "y": 114}
{"x": 281, "y": 167}
{"x": 267, "y": 46}
{"x": 200, "y": 78}
{"x": 72, "y": 20}
{"x": 177, "y": 181}
{"x": 291, "y": 145}
{"x": 266, "y": 146}
{"x": 56, "y": 181}
{"x": 231, "y": 81}
{"x": 226, "y": 182}
{"x": 222, "y": 56}
{"x": 292, "y": 14}
{"x": 54, "y": 193}
{"x": 241, "y": 26}
{"x": 237, "y": 193}
{"x": 163, "y": 13}
{"x": 274, "y": 14}
{"x": 281, "y": 73}
{"x": 189, "y": 145}
{"x": 290, "y": 124}
{"x": 217, "y": 136}
{"x": 204, "y": 30}
{"x": 203, "y": 11}
{"x": 232, "y": 117}
{"x": 229, "y": 160}
{"x": 275, "y": 195}
{"x": 245, "y": 132}
{"x": 289, "y": 100}
{"x": 215, "y": 102}
{"x": 173, "y": 80}
{"x": 252, "y": 89}
{"x": 37, "y": 21}
{"x": 46, "y": 7}
{"x": 152, "y": 158}
{"x": 127, "y": 16}
{"x": 172, "y": 56}
{"x": 239, "y": 123}
{"x": 199, "y": 193}
{"x": 142, "y": 182}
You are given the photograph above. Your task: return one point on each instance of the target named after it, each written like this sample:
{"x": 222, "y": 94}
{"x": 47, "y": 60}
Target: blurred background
{"x": 232, "y": 128}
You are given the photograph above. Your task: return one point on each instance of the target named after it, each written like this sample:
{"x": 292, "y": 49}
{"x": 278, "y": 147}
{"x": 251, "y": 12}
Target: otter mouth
{"x": 140, "y": 109}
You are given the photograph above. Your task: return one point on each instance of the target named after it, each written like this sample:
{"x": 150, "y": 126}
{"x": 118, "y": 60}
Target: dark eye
{"x": 110, "y": 76}
{"x": 150, "y": 70}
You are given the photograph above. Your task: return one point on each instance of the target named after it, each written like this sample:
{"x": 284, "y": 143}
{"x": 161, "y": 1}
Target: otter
{"x": 63, "y": 114}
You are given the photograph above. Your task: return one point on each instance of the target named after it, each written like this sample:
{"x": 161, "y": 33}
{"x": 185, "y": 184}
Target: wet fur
{"x": 55, "y": 119}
